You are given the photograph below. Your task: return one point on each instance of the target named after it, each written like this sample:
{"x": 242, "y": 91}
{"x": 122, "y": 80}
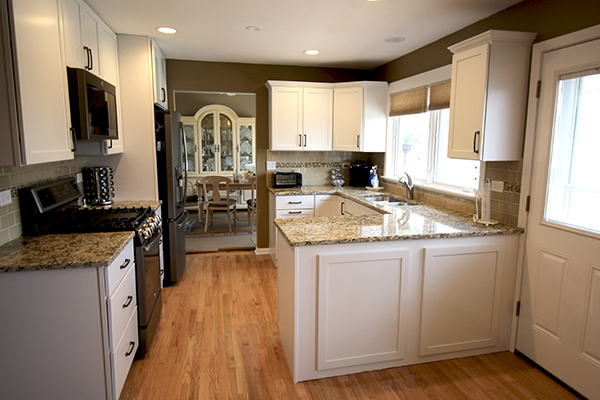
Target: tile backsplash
{"x": 504, "y": 206}
{"x": 316, "y": 166}
{"x": 14, "y": 178}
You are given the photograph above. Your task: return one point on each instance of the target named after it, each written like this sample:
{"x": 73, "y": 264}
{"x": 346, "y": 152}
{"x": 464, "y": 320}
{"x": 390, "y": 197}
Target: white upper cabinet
{"x": 301, "y": 116}
{"x": 36, "y": 95}
{"x": 360, "y": 116}
{"x": 159, "y": 70}
{"x": 490, "y": 75}
{"x": 89, "y": 43}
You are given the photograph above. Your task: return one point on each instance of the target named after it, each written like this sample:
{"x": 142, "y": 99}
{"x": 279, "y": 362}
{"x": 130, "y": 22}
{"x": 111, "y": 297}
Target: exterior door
{"x": 559, "y": 326}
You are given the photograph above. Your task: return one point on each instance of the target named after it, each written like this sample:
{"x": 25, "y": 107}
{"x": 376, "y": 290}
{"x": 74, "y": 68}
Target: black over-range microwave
{"x": 93, "y": 106}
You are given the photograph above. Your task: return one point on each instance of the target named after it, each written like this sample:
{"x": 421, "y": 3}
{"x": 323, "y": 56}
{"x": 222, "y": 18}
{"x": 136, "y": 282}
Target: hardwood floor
{"x": 218, "y": 339}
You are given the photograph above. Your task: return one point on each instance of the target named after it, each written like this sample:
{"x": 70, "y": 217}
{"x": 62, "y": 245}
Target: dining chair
{"x": 216, "y": 202}
{"x": 251, "y": 202}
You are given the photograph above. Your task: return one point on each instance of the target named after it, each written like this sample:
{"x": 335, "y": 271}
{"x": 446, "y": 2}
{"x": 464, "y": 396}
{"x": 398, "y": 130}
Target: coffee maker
{"x": 359, "y": 173}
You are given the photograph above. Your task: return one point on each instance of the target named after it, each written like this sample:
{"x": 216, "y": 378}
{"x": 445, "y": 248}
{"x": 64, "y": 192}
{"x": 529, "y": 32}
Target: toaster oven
{"x": 287, "y": 180}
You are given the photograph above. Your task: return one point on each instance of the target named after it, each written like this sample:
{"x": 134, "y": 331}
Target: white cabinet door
{"x": 469, "y": 83}
{"x": 462, "y": 291}
{"x": 348, "y": 118}
{"x": 490, "y": 76}
{"x": 108, "y": 54}
{"x": 374, "y": 285}
{"x": 317, "y": 120}
{"x": 327, "y": 205}
{"x": 350, "y": 207}
{"x": 160, "y": 76}
{"x": 43, "y": 101}
{"x": 286, "y": 118}
{"x": 91, "y": 54}
{"x": 71, "y": 19}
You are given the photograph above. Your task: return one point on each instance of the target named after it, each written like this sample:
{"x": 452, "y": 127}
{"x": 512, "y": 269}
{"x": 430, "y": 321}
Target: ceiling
{"x": 348, "y": 33}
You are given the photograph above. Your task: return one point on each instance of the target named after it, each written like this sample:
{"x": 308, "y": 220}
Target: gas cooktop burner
{"x": 83, "y": 220}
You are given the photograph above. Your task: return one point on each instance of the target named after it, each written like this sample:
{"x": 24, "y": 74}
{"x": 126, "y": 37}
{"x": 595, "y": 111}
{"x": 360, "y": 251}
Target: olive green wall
{"x": 549, "y": 18}
{"x": 251, "y": 78}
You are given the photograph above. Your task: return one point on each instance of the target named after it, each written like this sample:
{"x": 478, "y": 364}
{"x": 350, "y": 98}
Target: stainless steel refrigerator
{"x": 172, "y": 177}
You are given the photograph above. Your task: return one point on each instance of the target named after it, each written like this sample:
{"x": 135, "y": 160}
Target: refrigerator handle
{"x": 185, "y": 161}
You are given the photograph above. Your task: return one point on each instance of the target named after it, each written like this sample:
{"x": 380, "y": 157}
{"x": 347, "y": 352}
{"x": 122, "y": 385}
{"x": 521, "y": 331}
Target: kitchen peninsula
{"x": 395, "y": 286}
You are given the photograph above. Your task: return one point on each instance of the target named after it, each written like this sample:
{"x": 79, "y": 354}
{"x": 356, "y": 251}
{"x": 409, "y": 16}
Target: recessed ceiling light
{"x": 253, "y": 28}
{"x": 311, "y": 52}
{"x": 166, "y": 29}
{"x": 394, "y": 39}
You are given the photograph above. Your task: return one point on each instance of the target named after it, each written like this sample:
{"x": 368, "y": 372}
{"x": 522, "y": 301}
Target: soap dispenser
{"x": 373, "y": 178}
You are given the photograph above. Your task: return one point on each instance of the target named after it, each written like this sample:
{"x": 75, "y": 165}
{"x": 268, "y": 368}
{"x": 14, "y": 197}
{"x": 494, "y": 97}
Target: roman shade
{"x": 439, "y": 95}
{"x": 412, "y": 101}
{"x": 416, "y": 100}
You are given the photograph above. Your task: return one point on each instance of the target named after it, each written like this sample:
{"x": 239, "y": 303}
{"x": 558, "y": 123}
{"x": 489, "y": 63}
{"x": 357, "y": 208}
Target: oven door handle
{"x": 155, "y": 239}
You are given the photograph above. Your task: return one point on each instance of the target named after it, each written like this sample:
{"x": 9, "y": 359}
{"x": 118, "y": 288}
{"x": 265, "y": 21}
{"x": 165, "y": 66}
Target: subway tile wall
{"x": 14, "y": 178}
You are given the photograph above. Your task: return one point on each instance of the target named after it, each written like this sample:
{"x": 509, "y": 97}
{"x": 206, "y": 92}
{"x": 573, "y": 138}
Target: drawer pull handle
{"x": 475, "y": 150}
{"x": 130, "y": 349}
{"x": 128, "y": 301}
{"x": 295, "y": 212}
{"x": 125, "y": 264}
{"x": 294, "y": 202}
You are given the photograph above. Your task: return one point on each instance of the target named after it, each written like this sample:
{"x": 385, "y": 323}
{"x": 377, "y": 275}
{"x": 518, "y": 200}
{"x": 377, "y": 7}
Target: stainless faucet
{"x": 408, "y": 183}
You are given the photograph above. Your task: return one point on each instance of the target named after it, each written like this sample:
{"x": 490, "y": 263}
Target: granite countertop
{"x": 417, "y": 221}
{"x": 76, "y": 250}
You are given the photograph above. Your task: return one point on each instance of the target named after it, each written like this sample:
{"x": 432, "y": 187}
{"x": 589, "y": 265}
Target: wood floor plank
{"x": 218, "y": 338}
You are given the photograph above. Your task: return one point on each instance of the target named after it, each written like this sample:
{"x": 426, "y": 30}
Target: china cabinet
{"x": 490, "y": 76}
{"x": 219, "y": 142}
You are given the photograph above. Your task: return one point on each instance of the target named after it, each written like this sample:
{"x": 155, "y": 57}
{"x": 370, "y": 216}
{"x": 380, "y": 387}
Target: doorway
{"x": 220, "y": 137}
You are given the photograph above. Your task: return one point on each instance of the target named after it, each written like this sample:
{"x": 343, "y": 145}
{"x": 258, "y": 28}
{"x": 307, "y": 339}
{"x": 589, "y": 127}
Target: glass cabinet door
{"x": 190, "y": 141}
{"x": 245, "y": 140}
{"x": 225, "y": 143}
{"x": 207, "y": 143}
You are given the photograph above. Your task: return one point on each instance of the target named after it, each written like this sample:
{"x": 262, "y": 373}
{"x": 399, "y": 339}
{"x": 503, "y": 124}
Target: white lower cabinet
{"x": 68, "y": 334}
{"x": 376, "y": 328}
{"x": 351, "y": 207}
{"x": 327, "y": 205}
{"x": 462, "y": 288}
{"x": 355, "y": 307}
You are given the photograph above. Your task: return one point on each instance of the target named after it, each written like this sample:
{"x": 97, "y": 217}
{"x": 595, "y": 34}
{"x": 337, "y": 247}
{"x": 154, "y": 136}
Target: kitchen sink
{"x": 388, "y": 200}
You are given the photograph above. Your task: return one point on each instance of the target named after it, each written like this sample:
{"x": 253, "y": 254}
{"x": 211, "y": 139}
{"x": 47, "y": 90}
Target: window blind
{"x": 412, "y": 101}
{"x": 439, "y": 95}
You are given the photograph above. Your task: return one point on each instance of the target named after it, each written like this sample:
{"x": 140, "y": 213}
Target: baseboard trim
{"x": 261, "y": 251}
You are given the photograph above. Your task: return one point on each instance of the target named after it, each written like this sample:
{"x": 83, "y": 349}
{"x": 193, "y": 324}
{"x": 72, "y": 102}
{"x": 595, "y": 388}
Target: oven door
{"x": 148, "y": 265}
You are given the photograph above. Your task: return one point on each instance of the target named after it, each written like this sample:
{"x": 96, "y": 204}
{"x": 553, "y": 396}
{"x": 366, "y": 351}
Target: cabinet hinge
{"x": 538, "y": 90}
{"x": 527, "y": 203}
{"x": 518, "y": 310}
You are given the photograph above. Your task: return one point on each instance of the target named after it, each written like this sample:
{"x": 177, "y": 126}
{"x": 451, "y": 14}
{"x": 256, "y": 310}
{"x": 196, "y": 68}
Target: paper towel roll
{"x": 485, "y": 202}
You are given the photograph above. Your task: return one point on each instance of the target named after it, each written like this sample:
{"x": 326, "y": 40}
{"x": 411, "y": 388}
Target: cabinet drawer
{"x": 294, "y": 213}
{"x": 120, "y": 307}
{"x": 122, "y": 357}
{"x": 117, "y": 270}
{"x": 294, "y": 202}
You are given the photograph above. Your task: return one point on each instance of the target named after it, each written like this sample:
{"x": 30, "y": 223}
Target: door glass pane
{"x": 573, "y": 182}
{"x": 207, "y": 137}
{"x": 226, "y": 142}
{"x": 191, "y": 147}
{"x": 245, "y": 146}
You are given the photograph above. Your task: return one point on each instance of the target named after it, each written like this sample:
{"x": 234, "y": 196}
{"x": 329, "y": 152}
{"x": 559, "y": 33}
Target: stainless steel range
{"x": 52, "y": 208}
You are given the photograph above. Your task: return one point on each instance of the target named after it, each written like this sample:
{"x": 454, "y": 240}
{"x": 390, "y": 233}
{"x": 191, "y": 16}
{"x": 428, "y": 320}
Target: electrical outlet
{"x": 79, "y": 177}
{"x": 497, "y": 186}
{"x": 271, "y": 166}
{"x": 5, "y": 198}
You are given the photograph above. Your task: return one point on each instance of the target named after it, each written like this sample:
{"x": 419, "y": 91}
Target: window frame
{"x": 392, "y": 149}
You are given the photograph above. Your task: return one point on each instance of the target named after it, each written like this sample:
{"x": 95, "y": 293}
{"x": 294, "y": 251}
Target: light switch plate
{"x": 79, "y": 177}
{"x": 271, "y": 166}
{"x": 5, "y": 198}
{"x": 497, "y": 186}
